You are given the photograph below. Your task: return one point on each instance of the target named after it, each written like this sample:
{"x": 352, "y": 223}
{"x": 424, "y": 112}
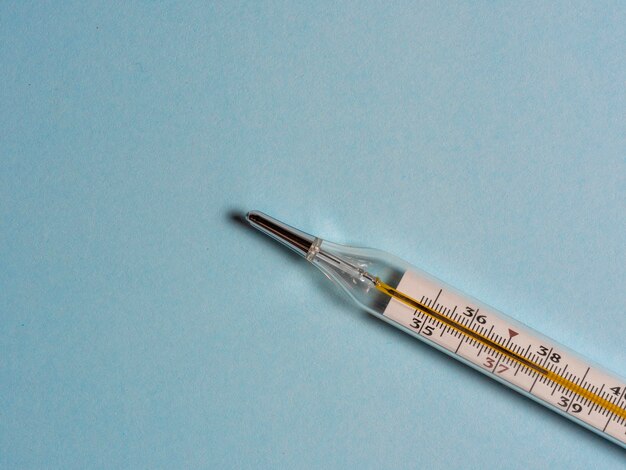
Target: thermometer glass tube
{"x": 466, "y": 329}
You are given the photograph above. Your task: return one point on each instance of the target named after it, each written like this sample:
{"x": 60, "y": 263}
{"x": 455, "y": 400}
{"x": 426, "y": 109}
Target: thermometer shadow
{"x": 464, "y": 371}
{"x": 330, "y": 290}
{"x": 339, "y": 298}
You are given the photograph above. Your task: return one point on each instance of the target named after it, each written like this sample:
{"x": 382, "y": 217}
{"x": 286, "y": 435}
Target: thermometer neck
{"x": 306, "y": 245}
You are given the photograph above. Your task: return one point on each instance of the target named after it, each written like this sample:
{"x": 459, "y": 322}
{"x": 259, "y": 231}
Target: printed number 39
{"x": 576, "y": 408}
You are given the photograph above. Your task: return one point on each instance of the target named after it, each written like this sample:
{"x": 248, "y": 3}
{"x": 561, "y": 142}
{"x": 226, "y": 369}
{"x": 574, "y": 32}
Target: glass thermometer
{"x": 466, "y": 329}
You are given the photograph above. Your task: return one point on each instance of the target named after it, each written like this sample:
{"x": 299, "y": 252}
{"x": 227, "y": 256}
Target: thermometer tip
{"x": 293, "y": 238}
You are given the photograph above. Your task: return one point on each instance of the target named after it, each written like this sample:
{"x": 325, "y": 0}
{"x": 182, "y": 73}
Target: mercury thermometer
{"x": 466, "y": 329}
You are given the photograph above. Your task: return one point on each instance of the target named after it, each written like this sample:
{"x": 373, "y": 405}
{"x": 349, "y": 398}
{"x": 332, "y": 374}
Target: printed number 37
{"x": 490, "y": 362}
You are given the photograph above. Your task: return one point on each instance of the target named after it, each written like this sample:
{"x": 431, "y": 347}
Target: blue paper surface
{"x": 144, "y": 327}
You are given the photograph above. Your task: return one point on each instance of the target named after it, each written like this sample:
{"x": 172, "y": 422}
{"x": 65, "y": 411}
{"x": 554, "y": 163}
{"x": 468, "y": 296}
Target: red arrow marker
{"x": 512, "y": 333}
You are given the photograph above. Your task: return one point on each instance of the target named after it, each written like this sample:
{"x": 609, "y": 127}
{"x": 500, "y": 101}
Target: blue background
{"x": 143, "y": 327}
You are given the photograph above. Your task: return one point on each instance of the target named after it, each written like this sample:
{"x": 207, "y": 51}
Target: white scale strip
{"x": 521, "y": 340}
